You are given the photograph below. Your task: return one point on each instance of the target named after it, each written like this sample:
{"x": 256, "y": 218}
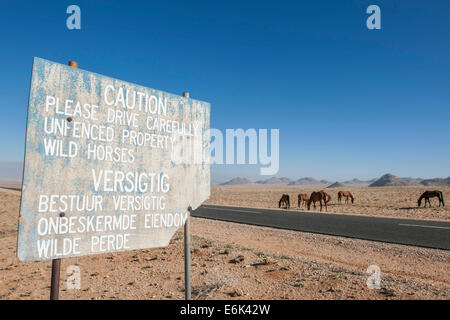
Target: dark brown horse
{"x": 302, "y": 197}
{"x": 284, "y": 201}
{"x": 326, "y": 197}
{"x": 318, "y": 196}
{"x": 431, "y": 194}
{"x": 345, "y": 194}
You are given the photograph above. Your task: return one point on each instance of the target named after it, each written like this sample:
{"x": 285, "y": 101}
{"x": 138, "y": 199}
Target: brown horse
{"x": 317, "y": 196}
{"x": 345, "y": 194}
{"x": 326, "y": 197}
{"x": 302, "y": 197}
{"x": 431, "y": 194}
{"x": 284, "y": 201}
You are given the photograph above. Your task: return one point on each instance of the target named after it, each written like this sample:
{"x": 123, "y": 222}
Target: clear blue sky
{"x": 349, "y": 102}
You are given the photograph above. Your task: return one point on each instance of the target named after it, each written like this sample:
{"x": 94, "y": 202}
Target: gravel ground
{"x": 232, "y": 261}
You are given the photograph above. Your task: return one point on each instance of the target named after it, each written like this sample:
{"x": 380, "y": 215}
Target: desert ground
{"x": 231, "y": 261}
{"x": 394, "y": 202}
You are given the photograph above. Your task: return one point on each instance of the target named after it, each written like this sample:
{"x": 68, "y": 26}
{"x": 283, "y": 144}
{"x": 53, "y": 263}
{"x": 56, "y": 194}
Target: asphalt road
{"x": 423, "y": 233}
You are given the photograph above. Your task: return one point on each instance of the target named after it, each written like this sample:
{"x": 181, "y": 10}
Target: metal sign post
{"x": 54, "y": 287}
{"x": 187, "y": 248}
{"x": 187, "y": 257}
{"x": 56, "y": 263}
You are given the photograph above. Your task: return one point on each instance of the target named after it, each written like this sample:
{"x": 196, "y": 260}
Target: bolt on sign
{"x": 109, "y": 165}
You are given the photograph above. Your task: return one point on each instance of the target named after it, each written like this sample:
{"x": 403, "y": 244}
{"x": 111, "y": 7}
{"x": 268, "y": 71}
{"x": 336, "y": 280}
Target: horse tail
{"x": 442, "y": 198}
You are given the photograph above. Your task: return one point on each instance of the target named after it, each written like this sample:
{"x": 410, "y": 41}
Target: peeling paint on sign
{"x": 109, "y": 165}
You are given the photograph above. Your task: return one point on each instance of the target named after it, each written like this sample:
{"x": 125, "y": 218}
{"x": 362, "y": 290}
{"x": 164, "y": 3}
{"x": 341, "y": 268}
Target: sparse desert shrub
{"x": 387, "y": 292}
{"x": 214, "y": 282}
{"x": 227, "y": 251}
{"x": 238, "y": 259}
{"x": 267, "y": 260}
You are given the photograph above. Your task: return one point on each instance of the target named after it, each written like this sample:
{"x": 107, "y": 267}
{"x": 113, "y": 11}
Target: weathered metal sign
{"x": 109, "y": 165}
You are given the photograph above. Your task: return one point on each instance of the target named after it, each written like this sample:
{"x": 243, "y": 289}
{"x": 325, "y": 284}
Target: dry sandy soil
{"x": 394, "y": 202}
{"x": 232, "y": 261}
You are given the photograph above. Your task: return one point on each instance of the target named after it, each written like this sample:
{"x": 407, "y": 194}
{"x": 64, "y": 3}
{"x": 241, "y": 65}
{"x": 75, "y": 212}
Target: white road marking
{"x": 418, "y": 225}
{"x": 233, "y": 210}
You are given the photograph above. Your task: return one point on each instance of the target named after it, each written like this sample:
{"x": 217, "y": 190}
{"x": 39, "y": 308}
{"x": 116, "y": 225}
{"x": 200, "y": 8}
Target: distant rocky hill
{"x": 412, "y": 179}
{"x": 308, "y": 181}
{"x": 336, "y": 185}
{"x": 436, "y": 182}
{"x": 356, "y": 182}
{"x": 389, "y": 180}
{"x": 236, "y": 181}
{"x": 275, "y": 180}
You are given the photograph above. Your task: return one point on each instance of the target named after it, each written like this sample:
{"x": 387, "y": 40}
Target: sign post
{"x": 187, "y": 247}
{"x": 109, "y": 166}
{"x": 54, "y": 285}
{"x": 187, "y": 256}
{"x": 56, "y": 263}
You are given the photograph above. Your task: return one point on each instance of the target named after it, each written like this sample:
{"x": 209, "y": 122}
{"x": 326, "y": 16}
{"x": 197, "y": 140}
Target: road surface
{"x": 423, "y": 233}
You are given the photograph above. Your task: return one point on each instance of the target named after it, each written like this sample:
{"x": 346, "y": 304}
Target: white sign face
{"x": 109, "y": 165}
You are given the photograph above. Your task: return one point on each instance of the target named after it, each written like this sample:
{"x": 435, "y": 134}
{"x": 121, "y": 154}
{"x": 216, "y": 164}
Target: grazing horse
{"x": 345, "y": 194}
{"x": 284, "y": 201}
{"x": 326, "y": 196}
{"x": 317, "y": 196}
{"x": 302, "y": 197}
{"x": 431, "y": 194}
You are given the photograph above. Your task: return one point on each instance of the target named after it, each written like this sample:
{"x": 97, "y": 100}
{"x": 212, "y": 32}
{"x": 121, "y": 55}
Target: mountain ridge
{"x": 386, "y": 180}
